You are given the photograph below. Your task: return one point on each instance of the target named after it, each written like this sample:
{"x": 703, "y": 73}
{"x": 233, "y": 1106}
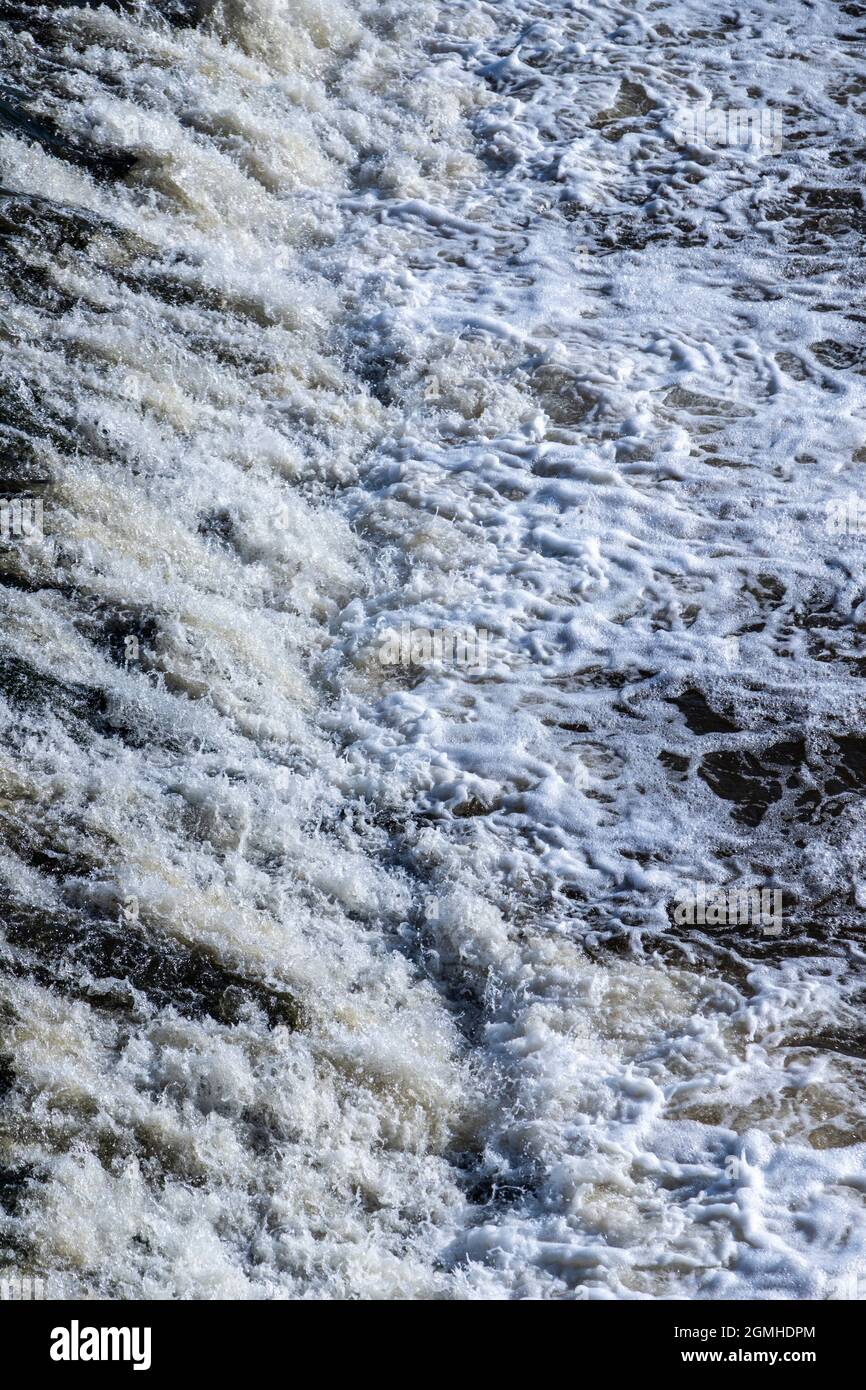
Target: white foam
{"x": 410, "y": 372}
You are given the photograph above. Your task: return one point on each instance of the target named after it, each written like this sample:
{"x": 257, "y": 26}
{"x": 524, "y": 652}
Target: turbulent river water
{"x": 333, "y": 966}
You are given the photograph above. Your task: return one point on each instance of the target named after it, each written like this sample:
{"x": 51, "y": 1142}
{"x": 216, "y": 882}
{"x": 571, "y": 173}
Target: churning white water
{"x": 336, "y": 963}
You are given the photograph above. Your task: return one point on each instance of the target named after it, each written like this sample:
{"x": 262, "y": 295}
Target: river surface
{"x": 336, "y": 964}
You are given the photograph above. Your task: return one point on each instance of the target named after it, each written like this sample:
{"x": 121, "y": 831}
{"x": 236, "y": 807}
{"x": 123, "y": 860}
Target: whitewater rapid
{"x": 325, "y": 975}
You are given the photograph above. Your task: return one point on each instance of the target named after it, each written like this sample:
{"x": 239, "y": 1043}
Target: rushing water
{"x": 329, "y": 975}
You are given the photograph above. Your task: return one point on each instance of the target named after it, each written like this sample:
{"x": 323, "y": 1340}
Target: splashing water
{"x": 448, "y": 442}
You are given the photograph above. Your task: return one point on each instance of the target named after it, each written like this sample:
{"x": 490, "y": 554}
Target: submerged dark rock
{"x": 108, "y": 963}
{"x": 102, "y": 164}
{"x": 700, "y": 716}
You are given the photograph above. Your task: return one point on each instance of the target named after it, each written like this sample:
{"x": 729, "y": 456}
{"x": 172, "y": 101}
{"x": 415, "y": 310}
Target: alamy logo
{"x": 24, "y": 1287}
{"x": 419, "y": 646}
{"x": 76, "y": 1343}
{"x": 846, "y": 516}
{"x": 21, "y": 518}
{"x": 851, "y": 1287}
{"x": 706, "y": 905}
{"x": 754, "y": 128}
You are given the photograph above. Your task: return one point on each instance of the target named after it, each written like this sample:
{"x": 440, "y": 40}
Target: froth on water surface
{"x": 339, "y": 975}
